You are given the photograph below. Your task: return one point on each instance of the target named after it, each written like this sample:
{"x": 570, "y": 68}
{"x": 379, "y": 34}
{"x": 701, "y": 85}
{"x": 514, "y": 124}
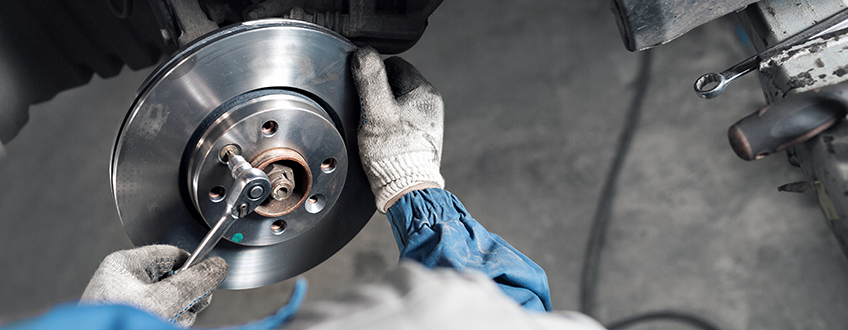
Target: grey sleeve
{"x": 414, "y": 297}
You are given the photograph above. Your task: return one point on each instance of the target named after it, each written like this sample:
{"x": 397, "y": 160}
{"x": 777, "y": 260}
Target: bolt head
{"x": 165, "y": 35}
{"x": 227, "y": 151}
{"x": 281, "y": 192}
{"x": 256, "y": 192}
{"x": 282, "y": 181}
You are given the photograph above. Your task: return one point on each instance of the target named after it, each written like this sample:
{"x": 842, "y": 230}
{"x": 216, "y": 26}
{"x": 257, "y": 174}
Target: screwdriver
{"x": 792, "y": 120}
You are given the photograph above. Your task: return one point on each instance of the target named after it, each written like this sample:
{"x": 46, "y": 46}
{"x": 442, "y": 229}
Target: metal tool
{"x": 251, "y": 187}
{"x": 712, "y": 84}
{"x": 281, "y": 91}
{"x": 792, "y": 120}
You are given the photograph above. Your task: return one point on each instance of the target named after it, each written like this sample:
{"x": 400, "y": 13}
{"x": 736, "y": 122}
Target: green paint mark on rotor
{"x": 238, "y": 237}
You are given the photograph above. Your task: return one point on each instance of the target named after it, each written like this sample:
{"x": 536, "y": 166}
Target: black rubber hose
{"x": 677, "y": 316}
{"x": 603, "y": 216}
{"x": 603, "y": 212}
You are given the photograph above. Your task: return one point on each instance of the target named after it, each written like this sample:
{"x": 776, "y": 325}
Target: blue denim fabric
{"x": 433, "y": 227}
{"x": 119, "y": 317}
{"x": 95, "y": 317}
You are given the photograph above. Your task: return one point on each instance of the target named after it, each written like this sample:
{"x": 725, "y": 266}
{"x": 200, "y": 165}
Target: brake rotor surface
{"x": 278, "y": 91}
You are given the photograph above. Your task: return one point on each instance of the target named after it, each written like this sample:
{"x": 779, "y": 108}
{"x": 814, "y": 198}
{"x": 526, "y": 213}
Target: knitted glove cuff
{"x": 394, "y": 175}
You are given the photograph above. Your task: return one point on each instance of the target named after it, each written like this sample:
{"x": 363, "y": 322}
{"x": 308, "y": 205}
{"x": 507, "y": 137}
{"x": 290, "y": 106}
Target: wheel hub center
{"x": 290, "y": 178}
{"x": 288, "y": 136}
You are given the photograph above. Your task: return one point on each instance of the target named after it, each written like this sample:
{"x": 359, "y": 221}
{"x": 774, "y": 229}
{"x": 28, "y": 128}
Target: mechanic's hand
{"x": 141, "y": 278}
{"x": 401, "y": 126}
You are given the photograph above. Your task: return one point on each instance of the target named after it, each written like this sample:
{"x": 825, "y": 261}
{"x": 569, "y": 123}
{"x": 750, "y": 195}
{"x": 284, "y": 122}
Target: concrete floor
{"x": 536, "y": 95}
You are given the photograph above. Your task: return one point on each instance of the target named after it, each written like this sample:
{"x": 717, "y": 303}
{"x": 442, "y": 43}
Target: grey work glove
{"x": 135, "y": 277}
{"x": 401, "y": 125}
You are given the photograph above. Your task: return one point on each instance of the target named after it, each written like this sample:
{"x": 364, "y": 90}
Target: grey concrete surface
{"x": 536, "y": 95}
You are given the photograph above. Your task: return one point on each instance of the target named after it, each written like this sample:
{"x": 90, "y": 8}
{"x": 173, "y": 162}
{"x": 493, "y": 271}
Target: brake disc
{"x": 280, "y": 93}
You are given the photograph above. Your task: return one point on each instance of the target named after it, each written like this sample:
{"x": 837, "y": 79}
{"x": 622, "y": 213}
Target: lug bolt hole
{"x": 217, "y": 194}
{"x": 329, "y": 165}
{"x": 315, "y": 203}
{"x": 269, "y": 128}
{"x": 278, "y": 227}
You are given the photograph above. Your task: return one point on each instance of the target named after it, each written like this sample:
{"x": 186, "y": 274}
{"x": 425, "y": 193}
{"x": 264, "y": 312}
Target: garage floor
{"x": 536, "y": 97}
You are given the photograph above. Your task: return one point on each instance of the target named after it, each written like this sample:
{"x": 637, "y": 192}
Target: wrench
{"x": 704, "y": 87}
{"x": 712, "y": 84}
{"x": 250, "y": 188}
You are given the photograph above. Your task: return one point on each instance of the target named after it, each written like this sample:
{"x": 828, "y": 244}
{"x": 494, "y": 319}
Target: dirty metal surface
{"x": 824, "y": 160}
{"x": 648, "y": 23}
{"x": 813, "y": 64}
{"x": 783, "y": 19}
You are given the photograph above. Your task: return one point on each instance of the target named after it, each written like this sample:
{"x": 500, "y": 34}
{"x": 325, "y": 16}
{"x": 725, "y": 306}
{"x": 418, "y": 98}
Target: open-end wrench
{"x": 712, "y": 84}
{"x": 250, "y": 188}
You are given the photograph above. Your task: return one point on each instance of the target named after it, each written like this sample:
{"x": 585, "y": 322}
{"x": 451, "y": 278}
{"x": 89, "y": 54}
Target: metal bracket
{"x": 181, "y": 21}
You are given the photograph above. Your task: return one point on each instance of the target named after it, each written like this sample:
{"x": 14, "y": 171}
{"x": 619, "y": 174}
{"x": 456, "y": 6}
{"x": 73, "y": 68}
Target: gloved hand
{"x": 141, "y": 277}
{"x": 400, "y": 128}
